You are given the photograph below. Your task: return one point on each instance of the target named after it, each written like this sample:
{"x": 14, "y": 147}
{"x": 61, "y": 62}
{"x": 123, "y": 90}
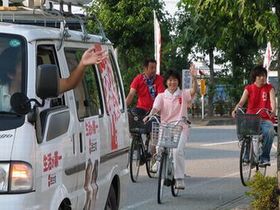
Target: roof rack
{"x": 47, "y": 18}
{"x": 50, "y": 18}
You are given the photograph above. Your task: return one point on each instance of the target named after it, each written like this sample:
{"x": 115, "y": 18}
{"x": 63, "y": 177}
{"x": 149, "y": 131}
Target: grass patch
{"x": 263, "y": 190}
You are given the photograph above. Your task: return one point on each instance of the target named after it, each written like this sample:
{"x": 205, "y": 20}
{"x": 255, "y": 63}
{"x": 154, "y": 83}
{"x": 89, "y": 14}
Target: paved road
{"x": 212, "y": 180}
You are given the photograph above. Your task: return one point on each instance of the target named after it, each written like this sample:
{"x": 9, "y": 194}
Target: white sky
{"x": 171, "y": 6}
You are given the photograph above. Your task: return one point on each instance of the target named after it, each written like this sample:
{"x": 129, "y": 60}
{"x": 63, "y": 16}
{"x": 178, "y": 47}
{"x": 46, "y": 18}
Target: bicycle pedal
{"x": 142, "y": 160}
{"x": 167, "y": 182}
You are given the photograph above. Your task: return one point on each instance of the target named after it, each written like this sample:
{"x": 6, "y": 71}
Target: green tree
{"x": 129, "y": 25}
{"x": 221, "y": 25}
{"x": 201, "y": 28}
{"x": 258, "y": 18}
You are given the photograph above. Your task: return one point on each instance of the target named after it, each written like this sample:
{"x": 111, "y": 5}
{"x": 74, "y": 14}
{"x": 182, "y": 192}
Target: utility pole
{"x": 276, "y": 9}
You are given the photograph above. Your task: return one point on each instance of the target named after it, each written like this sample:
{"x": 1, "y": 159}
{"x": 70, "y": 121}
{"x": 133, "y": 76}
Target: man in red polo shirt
{"x": 146, "y": 85}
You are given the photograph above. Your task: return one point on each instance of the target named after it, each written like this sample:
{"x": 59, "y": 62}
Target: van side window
{"x": 46, "y": 54}
{"x": 87, "y": 93}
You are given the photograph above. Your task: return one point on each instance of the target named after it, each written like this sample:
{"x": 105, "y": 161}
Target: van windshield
{"x": 12, "y": 68}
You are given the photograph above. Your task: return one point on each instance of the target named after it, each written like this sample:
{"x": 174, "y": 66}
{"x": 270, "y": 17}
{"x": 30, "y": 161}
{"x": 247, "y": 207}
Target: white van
{"x": 67, "y": 151}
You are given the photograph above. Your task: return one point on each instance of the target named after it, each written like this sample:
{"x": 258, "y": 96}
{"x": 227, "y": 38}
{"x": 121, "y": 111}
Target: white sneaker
{"x": 180, "y": 184}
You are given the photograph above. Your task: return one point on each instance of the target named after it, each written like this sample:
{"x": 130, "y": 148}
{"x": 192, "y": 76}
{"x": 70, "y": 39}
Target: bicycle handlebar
{"x": 268, "y": 112}
{"x": 155, "y": 116}
{"x": 176, "y": 122}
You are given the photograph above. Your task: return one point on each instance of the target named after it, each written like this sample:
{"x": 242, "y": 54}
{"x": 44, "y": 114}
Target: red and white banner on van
{"x": 92, "y": 138}
{"x": 109, "y": 81}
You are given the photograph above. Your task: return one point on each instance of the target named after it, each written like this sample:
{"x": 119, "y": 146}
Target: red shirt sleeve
{"x": 135, "y": 83}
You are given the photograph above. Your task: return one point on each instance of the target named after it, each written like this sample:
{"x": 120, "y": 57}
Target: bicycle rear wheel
{"x": 246, "y": 161}
{"x": 161, "y": 177}
{"x": 134, "y": 158}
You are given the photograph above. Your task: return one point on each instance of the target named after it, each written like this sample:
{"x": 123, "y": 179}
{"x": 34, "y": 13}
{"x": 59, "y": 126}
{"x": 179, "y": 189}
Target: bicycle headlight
{"x": 4, "y": 176}
{"x": 21, "y": 177}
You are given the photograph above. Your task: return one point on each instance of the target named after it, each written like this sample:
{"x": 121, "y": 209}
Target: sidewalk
{"x": 242, "y": 203}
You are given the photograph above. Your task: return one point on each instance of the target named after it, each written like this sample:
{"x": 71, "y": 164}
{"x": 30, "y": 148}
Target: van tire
{"x": 111, "y": 203}
{"x": 65, "y": 205}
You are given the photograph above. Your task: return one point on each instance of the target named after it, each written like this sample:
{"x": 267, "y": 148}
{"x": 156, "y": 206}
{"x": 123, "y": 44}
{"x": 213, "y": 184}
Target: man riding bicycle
{"x": 146, "y": 86}
{"x": 260, "y": 95}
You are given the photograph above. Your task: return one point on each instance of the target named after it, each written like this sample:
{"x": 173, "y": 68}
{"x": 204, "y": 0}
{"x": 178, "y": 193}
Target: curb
{"x": 214, "y": 121}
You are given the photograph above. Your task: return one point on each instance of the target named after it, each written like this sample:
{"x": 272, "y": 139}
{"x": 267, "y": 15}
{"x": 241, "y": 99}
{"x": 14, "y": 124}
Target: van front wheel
{"x": 111, "y": 203}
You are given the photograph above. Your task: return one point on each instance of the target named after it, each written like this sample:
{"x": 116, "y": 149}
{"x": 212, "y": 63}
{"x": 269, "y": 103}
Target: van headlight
{"x": 15, "y": 177}
{"x": 21, "y": 178}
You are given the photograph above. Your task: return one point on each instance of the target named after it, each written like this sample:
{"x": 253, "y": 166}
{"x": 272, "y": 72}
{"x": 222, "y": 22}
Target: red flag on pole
{"x": 157, "y": 36}
{"x": 267, "y": 57}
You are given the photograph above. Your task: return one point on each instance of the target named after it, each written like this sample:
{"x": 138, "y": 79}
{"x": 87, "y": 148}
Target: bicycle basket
{"x": 248, "y": 124}
{"x": 165, "y": 135}
{"x": 136, "y": 123}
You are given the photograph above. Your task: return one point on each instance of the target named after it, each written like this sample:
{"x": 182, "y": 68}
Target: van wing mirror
{"x": 47, "y": 81}
{"x": 20, "y": 103}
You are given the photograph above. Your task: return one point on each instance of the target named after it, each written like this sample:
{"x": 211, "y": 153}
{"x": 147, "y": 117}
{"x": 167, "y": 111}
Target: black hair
{"x": 257, "y": 71}
{"x": 149, "y": 60}
{"x": 172, "y": 73}
{"x": 8, "y": 62}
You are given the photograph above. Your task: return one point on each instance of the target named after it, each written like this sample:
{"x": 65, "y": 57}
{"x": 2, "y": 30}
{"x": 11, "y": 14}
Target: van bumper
{"x": 18, "y": 201}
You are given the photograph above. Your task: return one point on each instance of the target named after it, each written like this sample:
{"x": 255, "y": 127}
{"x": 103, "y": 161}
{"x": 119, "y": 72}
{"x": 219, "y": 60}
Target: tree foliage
{"x": 237, "y": 29}
{"x": 129, "y": 25}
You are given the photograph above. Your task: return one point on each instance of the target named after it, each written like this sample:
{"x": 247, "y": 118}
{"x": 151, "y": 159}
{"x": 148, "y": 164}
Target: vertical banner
{"x": 157, "y": 37}
{"x": 186, "y": 79}
{"x": 267, "y": 56}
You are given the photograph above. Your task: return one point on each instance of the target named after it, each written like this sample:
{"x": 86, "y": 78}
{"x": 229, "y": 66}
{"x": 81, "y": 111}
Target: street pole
{"x": 202, "y": 107}
{"x": 202, "y": 93}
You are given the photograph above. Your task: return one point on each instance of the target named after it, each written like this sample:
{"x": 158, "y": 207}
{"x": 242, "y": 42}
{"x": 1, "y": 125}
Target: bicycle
{"x": 140, "y": 149}
{"x": 250, "y": 137}
{"x": 166, "y": 137}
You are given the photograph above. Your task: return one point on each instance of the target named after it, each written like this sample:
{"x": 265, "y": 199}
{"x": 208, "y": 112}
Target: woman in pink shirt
{"x": 172, "y": 105}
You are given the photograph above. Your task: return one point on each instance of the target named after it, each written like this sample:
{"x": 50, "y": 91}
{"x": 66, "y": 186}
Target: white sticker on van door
{"x": 51, "y": 165}
{"x": 92, "y": 141}
{"x": 92, "y": 137}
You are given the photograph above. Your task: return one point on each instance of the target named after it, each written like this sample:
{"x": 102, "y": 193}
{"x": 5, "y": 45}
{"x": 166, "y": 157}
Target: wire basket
{"x": 166, "y": 135}
{"x": 248, "y": 124}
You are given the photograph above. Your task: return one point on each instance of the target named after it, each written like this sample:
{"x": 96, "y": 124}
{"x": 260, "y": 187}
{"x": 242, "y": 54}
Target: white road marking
{"x": 220, "y": 143}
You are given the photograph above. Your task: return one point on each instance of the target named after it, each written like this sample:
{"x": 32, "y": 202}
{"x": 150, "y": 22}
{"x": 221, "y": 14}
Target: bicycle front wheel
{"x": 174, "y": 191}
{"x": 134, "y": 159}
{"x": 150, "y": 151}
{"x": 161, "y": 177}
{"x": 246, "y": 161}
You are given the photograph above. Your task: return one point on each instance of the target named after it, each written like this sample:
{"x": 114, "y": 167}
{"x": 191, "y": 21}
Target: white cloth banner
{"x": 157, "y": 37}
{"x": 267, "y": 56}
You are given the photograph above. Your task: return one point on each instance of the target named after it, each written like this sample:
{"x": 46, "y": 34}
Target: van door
{"x": 56, "y": 142}
{"x": 90, "y": 113}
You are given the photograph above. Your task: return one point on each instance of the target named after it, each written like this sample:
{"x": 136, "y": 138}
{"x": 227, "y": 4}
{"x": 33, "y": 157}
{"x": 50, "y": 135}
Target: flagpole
{"x": 155, "y": 38}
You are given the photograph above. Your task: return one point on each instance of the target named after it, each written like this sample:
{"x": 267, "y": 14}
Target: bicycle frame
{"x": 166, "y": 174}
{"x": 251, "y": 149}
{"x": 166, "y": 171}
